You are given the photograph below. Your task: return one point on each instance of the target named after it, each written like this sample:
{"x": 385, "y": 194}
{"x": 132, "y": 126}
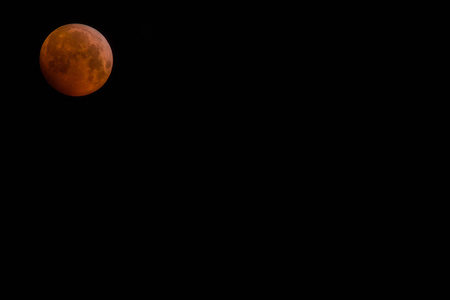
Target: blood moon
{"x": 76, "y": 59}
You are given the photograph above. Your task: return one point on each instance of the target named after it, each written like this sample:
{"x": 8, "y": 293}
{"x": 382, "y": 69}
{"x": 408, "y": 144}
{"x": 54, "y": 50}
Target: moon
{"x": 76, "y": 59}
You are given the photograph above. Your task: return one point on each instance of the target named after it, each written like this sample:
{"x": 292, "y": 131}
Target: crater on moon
{"x": 76, "y": 59}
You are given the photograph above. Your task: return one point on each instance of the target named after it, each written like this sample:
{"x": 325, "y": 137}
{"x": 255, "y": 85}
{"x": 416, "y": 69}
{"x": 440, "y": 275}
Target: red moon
{"x": 76, "y": 59}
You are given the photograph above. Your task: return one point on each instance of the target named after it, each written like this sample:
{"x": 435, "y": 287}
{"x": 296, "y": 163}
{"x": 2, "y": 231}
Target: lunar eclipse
{"x": 76, "y": 59}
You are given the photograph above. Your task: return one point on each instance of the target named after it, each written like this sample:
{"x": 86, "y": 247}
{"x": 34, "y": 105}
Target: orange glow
{"x": 76, "y": 59}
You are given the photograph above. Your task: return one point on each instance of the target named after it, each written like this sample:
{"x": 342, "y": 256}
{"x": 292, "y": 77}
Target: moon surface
{"x": 76, "y": 59}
